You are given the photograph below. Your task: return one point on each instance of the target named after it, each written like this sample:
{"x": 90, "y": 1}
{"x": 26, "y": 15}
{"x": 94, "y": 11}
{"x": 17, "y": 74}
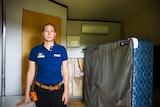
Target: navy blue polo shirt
{"x": 49, "y": 63}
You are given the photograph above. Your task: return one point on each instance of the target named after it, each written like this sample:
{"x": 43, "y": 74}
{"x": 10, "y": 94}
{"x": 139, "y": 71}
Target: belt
{"x": 50, "y": 87}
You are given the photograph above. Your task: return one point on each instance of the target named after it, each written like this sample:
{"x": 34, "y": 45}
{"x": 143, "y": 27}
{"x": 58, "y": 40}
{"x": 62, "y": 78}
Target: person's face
{"x": 49, "y": 33}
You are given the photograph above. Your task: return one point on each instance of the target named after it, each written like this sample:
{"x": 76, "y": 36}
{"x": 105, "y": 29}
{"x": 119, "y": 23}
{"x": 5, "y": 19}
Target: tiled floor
{"x": 75, "y": 102}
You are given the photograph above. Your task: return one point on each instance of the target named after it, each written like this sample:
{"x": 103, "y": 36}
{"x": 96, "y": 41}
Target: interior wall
{"x": 74, "y": 29}
{"x": 0, "y": 42}
{"x": 76, "y": 52}
{"x": 144, "y": 24}
{"x": 14, "y": 37}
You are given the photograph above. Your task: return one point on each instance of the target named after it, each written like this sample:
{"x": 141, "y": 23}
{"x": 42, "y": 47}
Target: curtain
{"x": 108, "y": 74}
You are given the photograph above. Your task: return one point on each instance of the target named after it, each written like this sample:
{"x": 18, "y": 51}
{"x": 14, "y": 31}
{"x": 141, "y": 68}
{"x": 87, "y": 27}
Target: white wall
{"x": 0, "y": 42}
{"x": 14, "y": 37}
{"x": 144, "y": 24}
{"x": 74, "y": 29}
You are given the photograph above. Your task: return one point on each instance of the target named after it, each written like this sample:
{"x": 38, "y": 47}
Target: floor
{"x": 79, "y": 102}
{"x": 76, "y": 102}
{"x": 10, "y": 101}
{"x": 156, "y": 97}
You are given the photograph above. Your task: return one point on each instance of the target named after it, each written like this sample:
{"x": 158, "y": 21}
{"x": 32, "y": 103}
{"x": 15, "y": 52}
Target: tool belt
{"x": 50, "y": 87}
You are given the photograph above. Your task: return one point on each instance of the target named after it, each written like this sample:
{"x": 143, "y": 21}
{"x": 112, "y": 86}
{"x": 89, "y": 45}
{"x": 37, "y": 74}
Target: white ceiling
{"x": 103, "y": 10}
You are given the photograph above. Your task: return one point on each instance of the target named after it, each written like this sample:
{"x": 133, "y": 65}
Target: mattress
{"x": 142, "y": 74}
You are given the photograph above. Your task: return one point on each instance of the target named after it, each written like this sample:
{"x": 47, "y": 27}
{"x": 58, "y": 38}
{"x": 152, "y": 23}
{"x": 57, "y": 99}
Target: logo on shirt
{"x": 57, "y": 55}
{"x": 40, "y": 55}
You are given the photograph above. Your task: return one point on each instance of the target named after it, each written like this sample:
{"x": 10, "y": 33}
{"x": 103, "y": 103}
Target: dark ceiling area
{"x": 103, "y": 10}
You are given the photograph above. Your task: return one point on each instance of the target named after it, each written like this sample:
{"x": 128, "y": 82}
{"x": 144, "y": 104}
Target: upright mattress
{"x": 142, "y": 74}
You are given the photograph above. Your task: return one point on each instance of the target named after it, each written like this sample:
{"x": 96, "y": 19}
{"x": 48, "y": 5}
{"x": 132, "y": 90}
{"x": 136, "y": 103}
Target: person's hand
{"x": 25, "y": 101}
{"x": 20, "y": 103}
{"x": 65, "y": 98}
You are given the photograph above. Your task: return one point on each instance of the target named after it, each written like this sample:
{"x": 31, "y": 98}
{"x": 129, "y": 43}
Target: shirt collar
{"x": 42, "y": 45}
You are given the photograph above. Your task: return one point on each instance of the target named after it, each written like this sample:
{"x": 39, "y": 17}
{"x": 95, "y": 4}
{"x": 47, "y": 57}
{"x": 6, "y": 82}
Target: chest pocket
{"x": 58, "y": 58}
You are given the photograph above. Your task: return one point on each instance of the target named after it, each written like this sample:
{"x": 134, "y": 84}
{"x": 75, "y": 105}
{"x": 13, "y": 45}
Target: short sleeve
{"x": 32, "y": 56}
{"x": 65, "y": 55}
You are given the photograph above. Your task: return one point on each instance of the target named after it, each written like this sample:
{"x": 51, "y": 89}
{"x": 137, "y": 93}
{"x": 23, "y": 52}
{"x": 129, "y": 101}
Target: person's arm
{"x": 65, "y": 70}
{"x": 29, "y": 80}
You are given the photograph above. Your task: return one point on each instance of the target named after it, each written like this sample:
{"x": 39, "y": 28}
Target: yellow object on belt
{"x": 51, "y": 87}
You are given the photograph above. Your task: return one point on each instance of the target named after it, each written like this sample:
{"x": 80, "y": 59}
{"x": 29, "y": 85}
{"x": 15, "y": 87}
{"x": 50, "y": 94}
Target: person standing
{"x": 51, "y": 78}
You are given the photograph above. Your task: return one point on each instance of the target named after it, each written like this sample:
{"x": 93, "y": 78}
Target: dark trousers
{"x": 47, "y": 98}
